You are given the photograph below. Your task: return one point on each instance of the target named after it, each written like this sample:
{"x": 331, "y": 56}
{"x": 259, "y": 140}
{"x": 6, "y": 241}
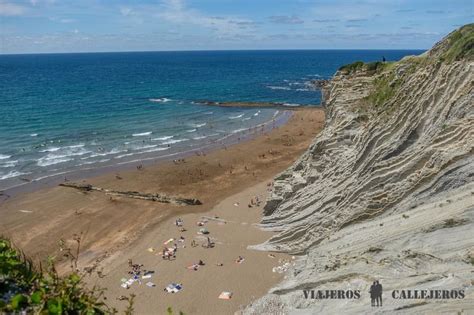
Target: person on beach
{"x": 165, "y": 254}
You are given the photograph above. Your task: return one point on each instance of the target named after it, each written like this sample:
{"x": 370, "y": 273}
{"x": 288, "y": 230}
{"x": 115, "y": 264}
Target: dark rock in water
{"x": 319, "y": 83}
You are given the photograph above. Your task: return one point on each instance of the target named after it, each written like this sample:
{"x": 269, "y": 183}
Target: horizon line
{"x": 210, "y": 50}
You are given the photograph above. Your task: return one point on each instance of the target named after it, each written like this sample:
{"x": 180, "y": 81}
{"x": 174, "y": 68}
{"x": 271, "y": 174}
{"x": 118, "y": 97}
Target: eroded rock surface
{"x": 385, "y": 192}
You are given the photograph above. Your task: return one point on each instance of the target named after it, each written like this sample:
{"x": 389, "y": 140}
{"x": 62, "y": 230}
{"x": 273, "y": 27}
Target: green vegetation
{"x": 461, "y": 44}
{"x": 453, "y": 222}
{"x": 24, "y": 288}
{"x": 352, "y": 67}
{"x": 375, "y": 66}
{"x": 384, "y": 88}
{"x": 370, "y": 68}
{"x": 169, "y": 311}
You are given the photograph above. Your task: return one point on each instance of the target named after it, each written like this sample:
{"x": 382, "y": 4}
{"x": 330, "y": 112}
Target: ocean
{"x": 64, "y": 113}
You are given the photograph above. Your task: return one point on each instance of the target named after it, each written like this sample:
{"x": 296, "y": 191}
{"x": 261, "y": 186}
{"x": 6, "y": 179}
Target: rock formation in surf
{"x": 386, "y": 191}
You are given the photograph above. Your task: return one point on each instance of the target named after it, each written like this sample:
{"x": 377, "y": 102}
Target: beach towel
{"x": 203, "y": 231}
{"x": 169, "y": 241}
{"x": 146, "y": 277}
{"x": 127, "y": 283}
{"x": 173, "y": 288}
{"x": 150, "y": 284}
{"x": 225, "y": 295}
{"x": 151, "y": 249}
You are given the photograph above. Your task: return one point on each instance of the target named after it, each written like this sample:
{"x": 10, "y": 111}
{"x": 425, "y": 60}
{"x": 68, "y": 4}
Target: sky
{"x": 41, "y": 26}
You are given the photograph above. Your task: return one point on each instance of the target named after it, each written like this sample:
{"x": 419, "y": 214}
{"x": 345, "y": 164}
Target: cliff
{"x": 386, "y": 191}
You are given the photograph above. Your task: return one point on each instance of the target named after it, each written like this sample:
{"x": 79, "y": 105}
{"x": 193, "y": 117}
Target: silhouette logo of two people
{"x": 376, "y": 293}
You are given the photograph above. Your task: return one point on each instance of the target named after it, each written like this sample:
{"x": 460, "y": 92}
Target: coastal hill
{"x": 386, "y": 191}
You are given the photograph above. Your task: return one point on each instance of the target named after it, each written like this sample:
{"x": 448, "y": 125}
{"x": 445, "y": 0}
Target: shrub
{"x": 24, "y": 288}
{"x": 374, "y": 66}
{"x": 384, "y": 88}
{"x": 352, "y": 67}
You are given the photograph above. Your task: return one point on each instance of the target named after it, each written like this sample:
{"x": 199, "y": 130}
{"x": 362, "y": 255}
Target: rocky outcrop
{"x": 134, "y": 194}
{"x": 386, "y": 191}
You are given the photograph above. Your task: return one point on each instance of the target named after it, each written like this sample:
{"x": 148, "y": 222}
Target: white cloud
{"x": 63, "y": 20}
{"x": 125, "y": 11}
{"x": 285, "y": 19}
{"x": 176, "y": 11}
{"x": 11, "y": 9}
{"x": 35, "y": 2}
{"x": 67, "y": 20}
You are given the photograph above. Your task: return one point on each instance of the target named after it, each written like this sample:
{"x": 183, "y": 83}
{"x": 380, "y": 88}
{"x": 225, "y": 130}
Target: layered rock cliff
{"x": 386, "y": 191}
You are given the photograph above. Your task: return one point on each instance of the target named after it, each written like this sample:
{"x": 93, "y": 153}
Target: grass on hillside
{"x": 461, "y": 44}
{"x": 369, "y": 68}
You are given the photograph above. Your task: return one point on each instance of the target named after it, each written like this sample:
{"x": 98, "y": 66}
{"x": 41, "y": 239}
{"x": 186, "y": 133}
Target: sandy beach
{"x": 115, "y": 229}
{"x": 232, "y": 233}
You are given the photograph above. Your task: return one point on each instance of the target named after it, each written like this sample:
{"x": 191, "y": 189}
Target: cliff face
{"x": 386, "y": 191}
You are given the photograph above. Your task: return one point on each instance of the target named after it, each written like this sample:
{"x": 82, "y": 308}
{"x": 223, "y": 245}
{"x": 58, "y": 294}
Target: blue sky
{"x": 30, "y": 26}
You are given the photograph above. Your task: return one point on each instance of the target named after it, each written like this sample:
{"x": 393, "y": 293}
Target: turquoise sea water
{"x": 63, "y": 112}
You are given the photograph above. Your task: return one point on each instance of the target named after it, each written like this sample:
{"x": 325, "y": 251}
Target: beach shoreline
{"x": 110, "y": 226}
{"x": 145, "y": 159}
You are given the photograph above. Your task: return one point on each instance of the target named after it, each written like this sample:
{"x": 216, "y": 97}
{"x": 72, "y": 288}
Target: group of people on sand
{"x": 168, "y": 253}
{"x": 136, "y": 270}
{"x": 254, "y": 202}
{"x": 179, "y": 161}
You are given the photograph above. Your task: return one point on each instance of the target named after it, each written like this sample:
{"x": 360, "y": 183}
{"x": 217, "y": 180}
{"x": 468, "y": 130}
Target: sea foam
{"x": 142, "y": 134}
{"x": 174, "y": 141}
{"x": 12, "y": 174}
{"x": 160, "y": 100}
{"x": 285, "y": 88}
{"x": 162, "y": 138}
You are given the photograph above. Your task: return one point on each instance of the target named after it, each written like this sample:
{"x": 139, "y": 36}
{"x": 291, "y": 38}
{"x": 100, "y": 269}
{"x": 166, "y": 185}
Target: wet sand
{"x": 113, "y": 228}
